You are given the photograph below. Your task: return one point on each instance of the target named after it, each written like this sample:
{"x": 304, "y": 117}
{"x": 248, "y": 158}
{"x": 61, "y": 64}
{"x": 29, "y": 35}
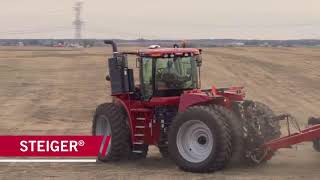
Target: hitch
{"x": 309, "y": 134}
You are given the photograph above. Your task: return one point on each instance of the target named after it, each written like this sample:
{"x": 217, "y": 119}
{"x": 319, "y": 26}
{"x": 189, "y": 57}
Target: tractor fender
{"x": 191, "y": 99}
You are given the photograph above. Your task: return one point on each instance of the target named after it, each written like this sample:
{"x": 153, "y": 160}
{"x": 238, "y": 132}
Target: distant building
{"x": 20, "y": 43}
{"x": 237, "y": 44}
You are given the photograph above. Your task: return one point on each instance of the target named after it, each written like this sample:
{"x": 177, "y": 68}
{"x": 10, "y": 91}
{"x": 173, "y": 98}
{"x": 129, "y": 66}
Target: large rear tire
{"x": 200, "y": 140}
{"x": 110, "y": 121}
{"x": 260, "y": 126}
{"x": 237, "y": 135}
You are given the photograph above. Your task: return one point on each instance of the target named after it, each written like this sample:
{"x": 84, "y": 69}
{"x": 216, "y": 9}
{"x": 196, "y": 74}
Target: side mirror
{"x": 108, "y": 78}
{"x": 199, "y": 60}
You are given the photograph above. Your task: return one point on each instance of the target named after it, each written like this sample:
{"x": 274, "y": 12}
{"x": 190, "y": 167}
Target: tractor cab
{"x": 163, "y": 72}
{"x": 168, "y": 71}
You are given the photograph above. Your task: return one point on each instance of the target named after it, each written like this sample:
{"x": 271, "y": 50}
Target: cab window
{"x": 146, "y": 77}
{"x": 176, "y": 73}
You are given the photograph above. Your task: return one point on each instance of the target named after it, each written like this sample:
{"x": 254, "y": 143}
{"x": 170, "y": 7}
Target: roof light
{"x": 154, "y": 46}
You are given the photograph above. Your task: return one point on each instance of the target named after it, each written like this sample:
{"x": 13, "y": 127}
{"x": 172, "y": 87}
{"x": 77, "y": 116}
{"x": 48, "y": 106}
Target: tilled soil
{"x": 54, "y": 91}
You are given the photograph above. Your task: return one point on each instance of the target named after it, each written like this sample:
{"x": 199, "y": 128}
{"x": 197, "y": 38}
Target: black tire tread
{"x": 119, "y": 135}
{"x": 237, "y": 135}
{"x": 269, "y": 132}
{"x": 223, "y": 138}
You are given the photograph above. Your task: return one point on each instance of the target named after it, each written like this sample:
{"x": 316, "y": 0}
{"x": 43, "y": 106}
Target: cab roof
{"x": 160, "y": 52}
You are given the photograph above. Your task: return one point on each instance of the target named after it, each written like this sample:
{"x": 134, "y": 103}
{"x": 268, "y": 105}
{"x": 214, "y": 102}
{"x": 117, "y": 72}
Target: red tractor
{"x": 202, "y": 130}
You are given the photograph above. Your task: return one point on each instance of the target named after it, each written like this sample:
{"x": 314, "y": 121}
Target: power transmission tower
{"x": 78, "y": 23}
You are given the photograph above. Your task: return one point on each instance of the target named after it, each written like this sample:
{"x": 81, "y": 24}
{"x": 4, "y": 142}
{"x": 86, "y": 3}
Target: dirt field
{"x": 55, "y": 91}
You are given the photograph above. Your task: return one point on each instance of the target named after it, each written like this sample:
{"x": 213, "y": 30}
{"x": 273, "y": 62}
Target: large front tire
{"x": 110, "y": 121}
{"x": 200, "y": 140}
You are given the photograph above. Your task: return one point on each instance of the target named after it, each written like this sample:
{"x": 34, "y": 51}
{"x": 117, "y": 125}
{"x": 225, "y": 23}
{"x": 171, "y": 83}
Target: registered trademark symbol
{"x": 81, "y": 143}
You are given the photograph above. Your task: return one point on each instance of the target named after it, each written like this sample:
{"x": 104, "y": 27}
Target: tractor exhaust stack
{"x": 113, "y": 44}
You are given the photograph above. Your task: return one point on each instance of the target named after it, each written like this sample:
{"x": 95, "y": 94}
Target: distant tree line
{"x": 164, "y": 43}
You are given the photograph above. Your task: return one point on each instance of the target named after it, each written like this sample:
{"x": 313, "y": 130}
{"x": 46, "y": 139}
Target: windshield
{"x": 176, "y": 73}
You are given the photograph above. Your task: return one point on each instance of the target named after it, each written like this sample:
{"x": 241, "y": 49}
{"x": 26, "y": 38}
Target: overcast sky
{"x": 163, "y": 19}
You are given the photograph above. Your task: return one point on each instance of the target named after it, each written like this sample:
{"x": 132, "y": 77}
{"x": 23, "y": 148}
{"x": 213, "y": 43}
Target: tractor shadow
{"x": 158, "y": 164}
{"x": 151, "y": 162}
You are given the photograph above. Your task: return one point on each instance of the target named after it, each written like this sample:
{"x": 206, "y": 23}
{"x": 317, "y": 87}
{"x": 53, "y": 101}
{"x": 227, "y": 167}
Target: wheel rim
{"x": 103, "y": 128}
{"x": 195, "y": 141}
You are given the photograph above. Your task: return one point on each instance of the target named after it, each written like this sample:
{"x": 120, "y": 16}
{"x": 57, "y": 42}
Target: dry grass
{"x": 55, "y": 91}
